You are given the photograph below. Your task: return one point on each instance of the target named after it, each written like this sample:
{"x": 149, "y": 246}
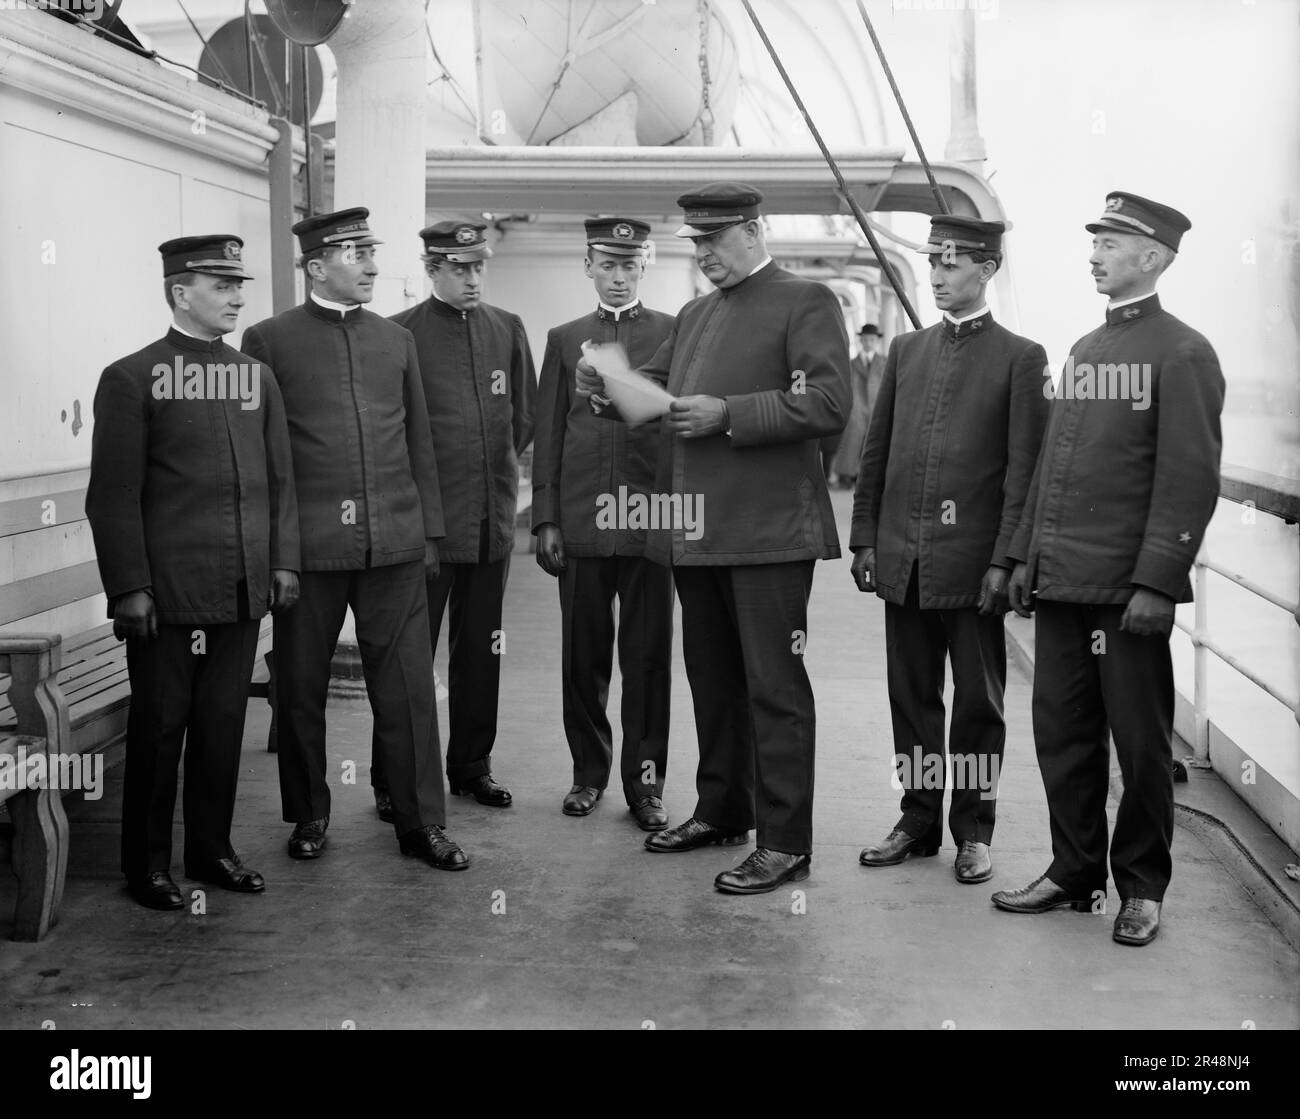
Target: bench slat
{"x": 28, "y": 514}
{"x": 29, "y": 597}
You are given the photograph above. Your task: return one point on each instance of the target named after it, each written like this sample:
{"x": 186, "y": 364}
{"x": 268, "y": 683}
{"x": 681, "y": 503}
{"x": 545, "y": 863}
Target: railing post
{"x": 1200, "y": 699}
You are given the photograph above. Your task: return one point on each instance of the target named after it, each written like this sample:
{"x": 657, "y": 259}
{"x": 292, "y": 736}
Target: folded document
{"x": 637, "y": 397}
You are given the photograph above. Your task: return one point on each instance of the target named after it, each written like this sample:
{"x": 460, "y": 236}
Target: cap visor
{"x": 463, "y": 256}
{"x": 940, "y": 247}
{"x": 617, "y": 250}
{"x": 226, "y": 273}
{"x": 1103, "y": 225}
{"x": 357, "y": 242}
{"x": 707, "y": 230}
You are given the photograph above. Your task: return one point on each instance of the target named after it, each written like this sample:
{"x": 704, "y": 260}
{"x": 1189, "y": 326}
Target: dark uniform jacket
{"x": 190, "y": 496}
{"x": 1122, "y": 495}
{"x": 480, "y": 387}
{"x": 577, "y": 456}
{"x": 774, "y": 346}
{"x": 950, "y": 451}
{"x": 362, "y": 456}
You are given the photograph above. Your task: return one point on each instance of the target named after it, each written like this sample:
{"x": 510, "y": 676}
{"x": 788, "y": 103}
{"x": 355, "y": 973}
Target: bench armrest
{"x": 32, "y": 662}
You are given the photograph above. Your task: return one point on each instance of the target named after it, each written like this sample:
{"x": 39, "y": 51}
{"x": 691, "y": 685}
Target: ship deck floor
{"x": 563, "y": 922}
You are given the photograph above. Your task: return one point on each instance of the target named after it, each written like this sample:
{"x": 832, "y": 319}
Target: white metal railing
{"x": 1265, "y": 493}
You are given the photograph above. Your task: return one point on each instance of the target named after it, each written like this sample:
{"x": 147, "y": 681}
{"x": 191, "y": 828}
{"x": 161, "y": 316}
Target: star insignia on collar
{"x": 1184, "y": 538}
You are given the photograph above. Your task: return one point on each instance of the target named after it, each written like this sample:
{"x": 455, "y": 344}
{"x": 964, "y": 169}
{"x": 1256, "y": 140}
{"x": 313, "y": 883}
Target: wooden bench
{"x": 50, "y": 586}
{"x": 40, "y": 843}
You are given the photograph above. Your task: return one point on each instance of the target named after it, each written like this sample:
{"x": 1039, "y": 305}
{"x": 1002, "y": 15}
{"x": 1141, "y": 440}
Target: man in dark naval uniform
{"x": 191, "y": 503}
{"x": 760, "y": 369}
{"x": 578, "y": 461}
{"x": 480, "y": 388}
{"x": 944, "y": 473}
{"x": 1125, "y": 486}
{"x": 370, "y": 515}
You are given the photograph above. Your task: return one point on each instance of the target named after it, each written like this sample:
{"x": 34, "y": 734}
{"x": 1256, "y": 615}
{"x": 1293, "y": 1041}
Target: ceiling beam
{"x": 648, "y": 180}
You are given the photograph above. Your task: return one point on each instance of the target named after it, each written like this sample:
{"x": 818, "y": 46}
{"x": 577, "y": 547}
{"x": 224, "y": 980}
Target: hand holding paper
{"x": 637, "y": 397}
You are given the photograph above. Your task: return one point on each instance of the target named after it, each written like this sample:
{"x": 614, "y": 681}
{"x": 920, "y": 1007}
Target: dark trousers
{"x": 474, "y": 650}
{"x": 644, "y": 590}
{"x": 917, "y": 642}
{"x": 743, "y": 632}
{"x": 1091, "y": 678}
{"x": 392, "y": 620}
{"x": 198, "y": 699}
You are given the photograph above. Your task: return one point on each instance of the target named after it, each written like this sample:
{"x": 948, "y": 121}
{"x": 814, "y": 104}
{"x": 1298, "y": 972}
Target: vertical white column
{"x": 379, "y": 148}
{"x": 965, "y": 144}
{"x": 379, "y": 163}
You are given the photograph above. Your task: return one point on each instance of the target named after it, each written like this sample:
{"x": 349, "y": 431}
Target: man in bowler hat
{"x": 865, "y": 371}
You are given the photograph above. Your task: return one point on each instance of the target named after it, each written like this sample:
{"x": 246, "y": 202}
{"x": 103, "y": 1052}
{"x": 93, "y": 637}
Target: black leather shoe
{"x": 308, "y": 840}
{"x": 1138, "y": 922}
{"x": 431, "y": 844}
{"x": 1040, "y": 896}
{"x": 156, "y": 890}
{"x": 649, "y": 813}
{"x": 763, "y": 871}
{"x": 896, "y": 847}
{"x": 484, "y": 790}
{"x": 694, "y": 833}
{"x": 229, "y": 874}
{"x": 581, "y": 799}
{"x": 973, "y": 863}
{"x": 384, "y": 805}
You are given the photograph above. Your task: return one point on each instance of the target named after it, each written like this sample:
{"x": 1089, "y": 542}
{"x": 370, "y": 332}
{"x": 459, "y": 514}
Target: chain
{"x": 706, "y": 111}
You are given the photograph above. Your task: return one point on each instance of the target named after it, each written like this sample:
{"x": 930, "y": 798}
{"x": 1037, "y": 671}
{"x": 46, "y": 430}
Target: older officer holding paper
{"x": 760, "y": 369}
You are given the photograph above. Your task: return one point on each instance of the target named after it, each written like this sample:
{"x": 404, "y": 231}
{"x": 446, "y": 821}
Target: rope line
{"x": 885, "y": 266}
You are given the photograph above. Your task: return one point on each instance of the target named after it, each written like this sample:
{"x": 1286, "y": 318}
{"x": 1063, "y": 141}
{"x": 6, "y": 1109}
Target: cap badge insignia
{"x": 465, "y": 234}
{"x": 623, "y": 231}
{"x": 1113, "y": 204}
{"x": 231, "y": 250}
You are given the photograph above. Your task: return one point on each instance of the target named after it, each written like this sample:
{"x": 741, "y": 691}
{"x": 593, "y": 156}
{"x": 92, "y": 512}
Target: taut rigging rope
{"x": 885, "y": 266}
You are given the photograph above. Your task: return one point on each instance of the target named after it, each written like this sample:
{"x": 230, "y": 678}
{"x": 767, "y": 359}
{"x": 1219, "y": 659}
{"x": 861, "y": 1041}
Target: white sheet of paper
{"x": 638, "y": 397}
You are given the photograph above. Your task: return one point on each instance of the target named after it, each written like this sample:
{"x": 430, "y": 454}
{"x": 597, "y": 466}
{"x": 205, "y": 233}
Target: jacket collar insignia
{"x": 1142, "y": 309}
{"x": 955, "y": 330}
{"x": 604, "y": 314}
